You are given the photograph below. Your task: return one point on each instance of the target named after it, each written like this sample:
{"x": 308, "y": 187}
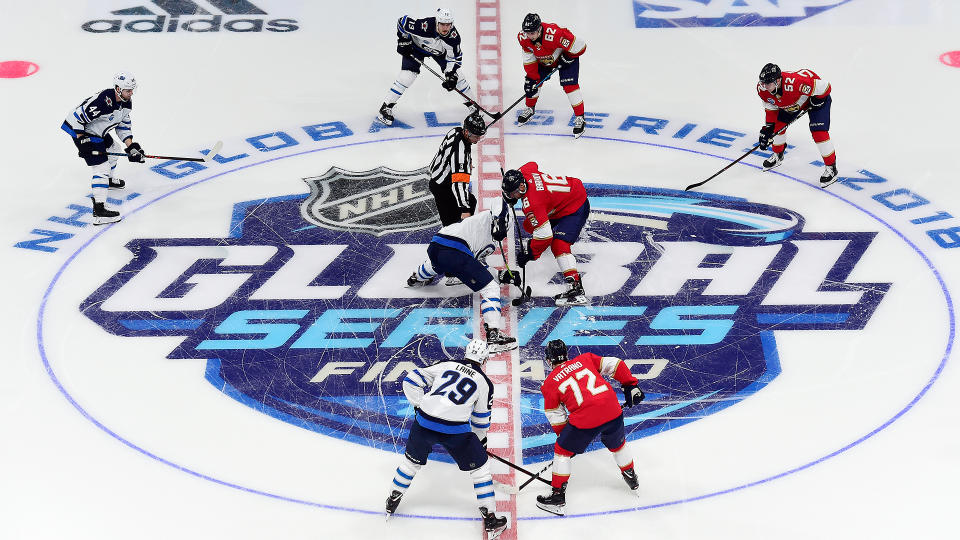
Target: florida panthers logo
{"x": 301, "y": 312}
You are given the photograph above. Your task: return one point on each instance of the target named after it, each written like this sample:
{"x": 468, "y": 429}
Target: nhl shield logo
{"x": 378, "y": 201}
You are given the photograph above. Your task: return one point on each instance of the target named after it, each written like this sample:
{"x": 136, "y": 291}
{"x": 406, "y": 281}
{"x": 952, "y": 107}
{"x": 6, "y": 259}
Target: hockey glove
{"x": 816, "y": 103}
{"x": 632, "y": 395}
{"x": 404, "y": 46}
{"x": 766, "y": 135}
{"x": 524, "y": 256}
{"x": 135, "y": 153}
{"x": 86, "y": 147}
{"x": 530, "y": 87}
{"x": 451, "y": 82}
{"x": 508, "y": 277}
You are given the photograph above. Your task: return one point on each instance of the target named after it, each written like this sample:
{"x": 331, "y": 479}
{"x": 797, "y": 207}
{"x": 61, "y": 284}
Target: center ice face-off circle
{"x": 343, "y": 347}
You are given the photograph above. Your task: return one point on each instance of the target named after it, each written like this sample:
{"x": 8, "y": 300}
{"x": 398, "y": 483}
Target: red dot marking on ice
{"x": 951, "y": 58}
{"x": 15, "y": 69}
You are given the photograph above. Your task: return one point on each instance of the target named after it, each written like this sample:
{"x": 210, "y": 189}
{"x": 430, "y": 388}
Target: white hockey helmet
{"x": 476, "y": 351}
{"x": 124, "y": 81}
{"x": 444, "y": 16}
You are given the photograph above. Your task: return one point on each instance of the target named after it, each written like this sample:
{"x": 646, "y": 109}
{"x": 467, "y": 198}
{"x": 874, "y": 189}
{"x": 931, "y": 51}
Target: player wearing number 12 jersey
{"x": 580, "y": 405}
{"x": 453, "y": 401}
{"x": 555, "y": 209}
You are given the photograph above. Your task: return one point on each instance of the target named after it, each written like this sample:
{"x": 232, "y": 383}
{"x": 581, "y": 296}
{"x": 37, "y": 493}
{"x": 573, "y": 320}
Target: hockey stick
{"x": 455, "y": 89}
{"x": 525, "y": 291}
{"x": 532, "y": 478}
{"x": 517, "y": 467}
{"x": 501, "y": 114}
{"x": 752, "y": 150}
{"x": 213, "y": 151}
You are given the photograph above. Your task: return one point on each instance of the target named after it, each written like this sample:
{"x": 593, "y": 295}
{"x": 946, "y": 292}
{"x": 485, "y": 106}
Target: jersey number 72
{"x": 574, "y": 386}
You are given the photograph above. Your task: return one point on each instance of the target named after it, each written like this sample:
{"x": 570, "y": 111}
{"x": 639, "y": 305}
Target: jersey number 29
{"x": 460, "y": 393}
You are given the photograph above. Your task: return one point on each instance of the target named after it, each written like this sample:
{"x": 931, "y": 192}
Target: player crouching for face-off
{"x": 785, "y": 96}
{"x": 88, "y": 125}
{"x": 580, "y": 404}
{"x": 460, "y": 250}
{"x": 453, "y": 400}
{"x": 435, "y": 37}
{"x": 555, "y": 209}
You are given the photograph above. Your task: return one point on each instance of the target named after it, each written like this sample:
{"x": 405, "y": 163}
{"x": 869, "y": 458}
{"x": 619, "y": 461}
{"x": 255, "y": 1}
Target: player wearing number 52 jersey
{"x": 785, "y": 95}
{"x": 580, "y": 405}
{"x": 555, "y": 210}
{"x": 453, "y": 401}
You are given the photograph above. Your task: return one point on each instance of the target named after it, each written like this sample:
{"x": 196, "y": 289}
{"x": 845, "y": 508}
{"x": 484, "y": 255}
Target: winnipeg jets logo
{"x": 377, "y": 201}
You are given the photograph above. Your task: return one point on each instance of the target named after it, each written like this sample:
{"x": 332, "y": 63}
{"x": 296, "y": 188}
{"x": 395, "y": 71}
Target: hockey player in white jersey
{"x": 417, "y": 39}
{"x": 89, "y": 125}
{"x": 453, "y": 401}
{"x": 459, "y": 250}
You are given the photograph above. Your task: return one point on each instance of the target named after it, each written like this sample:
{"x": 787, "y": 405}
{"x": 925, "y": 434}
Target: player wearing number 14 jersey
{"x": 580, "y": 405}
{"x": 555, "y": 209}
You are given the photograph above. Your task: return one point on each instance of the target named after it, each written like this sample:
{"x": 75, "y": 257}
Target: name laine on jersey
{"x": 567, "y": 370}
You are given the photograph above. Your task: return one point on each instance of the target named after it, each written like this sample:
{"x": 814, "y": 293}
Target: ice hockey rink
{"x": 133, "y": 405}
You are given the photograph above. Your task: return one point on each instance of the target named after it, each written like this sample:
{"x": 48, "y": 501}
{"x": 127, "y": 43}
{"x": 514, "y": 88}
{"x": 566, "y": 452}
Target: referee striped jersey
{"x": 451, "y": 168}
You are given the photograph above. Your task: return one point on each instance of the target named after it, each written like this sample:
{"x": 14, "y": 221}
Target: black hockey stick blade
{"x": 524, "y": 297}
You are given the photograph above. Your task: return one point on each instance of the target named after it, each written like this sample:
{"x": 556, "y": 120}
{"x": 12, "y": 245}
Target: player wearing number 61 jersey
{"x": 580, "y": 405}
{"x": 453, "y": 401}
{"x": 555, "y": 210}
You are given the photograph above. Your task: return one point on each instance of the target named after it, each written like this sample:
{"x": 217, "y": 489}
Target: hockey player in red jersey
{"x": 785, "y": 95}
{"x": 555, "y": 210}
{"x": 546, "y": 46}
{"x": 580, "y": 404}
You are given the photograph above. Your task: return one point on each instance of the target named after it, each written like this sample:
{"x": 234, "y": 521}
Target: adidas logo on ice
{"x": 191, "y": 16}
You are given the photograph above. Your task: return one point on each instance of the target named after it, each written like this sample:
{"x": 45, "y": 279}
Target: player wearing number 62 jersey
{"x": 555, "y": 210}
{"x": 580, "y": 405}
{"x": 453, "y": 401}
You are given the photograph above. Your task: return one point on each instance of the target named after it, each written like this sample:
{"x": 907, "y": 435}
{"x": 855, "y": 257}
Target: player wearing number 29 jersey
{"x": 452, "y": 400}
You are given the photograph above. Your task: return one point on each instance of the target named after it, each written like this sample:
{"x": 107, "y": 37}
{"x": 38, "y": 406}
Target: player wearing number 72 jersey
{"x": 580, "y": 405}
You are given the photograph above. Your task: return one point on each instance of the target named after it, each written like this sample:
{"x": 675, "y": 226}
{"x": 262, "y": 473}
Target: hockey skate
{"x": 829, "y": 175}
{"x": 525, "y": 116}
{"x": 452, "y": 280}
{"x": 102, "y": 216}
{"x": 555, "y": 502}
{"x": 775, "y": 159}
{"x": 472, "y": 108}
{"x": 574, "y": 295}
{"x": 493, "y": 524}
{"x": 579, "y": 124}
{"x": 393, "y": 500}
{"x": 414, "y": 281}
{"x": 386, "y": 114}
{"x": 117, "y": 183}
{"x": 497, "y": 341}
{"x": 630, "y": 477}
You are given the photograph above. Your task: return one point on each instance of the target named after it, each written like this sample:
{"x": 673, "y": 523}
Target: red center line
{"x": 504, "y": 435}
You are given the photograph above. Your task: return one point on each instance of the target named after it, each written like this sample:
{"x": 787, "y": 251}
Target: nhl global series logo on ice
{"x": 723, "y": 13}
{"x": 166, "y": 16}
{"x": 301, "y": 313}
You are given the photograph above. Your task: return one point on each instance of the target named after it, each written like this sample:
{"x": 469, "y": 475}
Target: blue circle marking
{"x": 878, "y": 429}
